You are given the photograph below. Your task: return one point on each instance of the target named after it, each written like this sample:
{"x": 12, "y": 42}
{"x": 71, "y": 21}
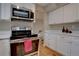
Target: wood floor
{"x": 45, "y": 51}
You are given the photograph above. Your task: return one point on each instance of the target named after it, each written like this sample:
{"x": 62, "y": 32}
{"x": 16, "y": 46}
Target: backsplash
{"x": 21, "y": 24}
{"x": 70, "y": 26}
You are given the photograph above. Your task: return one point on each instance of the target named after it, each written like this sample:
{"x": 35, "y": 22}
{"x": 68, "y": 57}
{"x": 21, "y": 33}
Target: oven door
{"x": 17, "y": 49}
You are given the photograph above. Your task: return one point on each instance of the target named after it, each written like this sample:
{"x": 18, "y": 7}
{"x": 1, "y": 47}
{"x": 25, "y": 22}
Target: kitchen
{"x": 16, "y": 26}
{"x": 54, "y": 23}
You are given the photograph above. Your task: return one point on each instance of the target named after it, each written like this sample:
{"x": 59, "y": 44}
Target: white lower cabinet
{"x": 52, "y": 42}
{"x": 67, "y": 45}
{"x": 66, "y": 49}
{"x": 63, "y": 45}
{"x": 4, "y": 47}
{"x": 60, "y": 46}
{"x": 46, "y": 40}
{"x": 75, "y": 46}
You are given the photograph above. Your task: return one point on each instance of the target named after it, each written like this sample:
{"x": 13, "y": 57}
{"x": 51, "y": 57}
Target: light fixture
{"x": 17, "y": 7}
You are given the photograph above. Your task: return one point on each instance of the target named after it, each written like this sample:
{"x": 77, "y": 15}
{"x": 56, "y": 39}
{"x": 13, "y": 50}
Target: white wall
{"x": 21, "y": 24}
{"x": 5, "y": 25}
{"x": 39, "y": 20}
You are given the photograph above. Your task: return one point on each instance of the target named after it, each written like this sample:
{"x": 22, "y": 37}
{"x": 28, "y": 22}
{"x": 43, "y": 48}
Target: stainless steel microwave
{"x": 22, "y": 13}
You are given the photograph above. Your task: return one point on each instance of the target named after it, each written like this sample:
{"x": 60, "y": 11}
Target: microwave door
{"x": 20, "y": 13}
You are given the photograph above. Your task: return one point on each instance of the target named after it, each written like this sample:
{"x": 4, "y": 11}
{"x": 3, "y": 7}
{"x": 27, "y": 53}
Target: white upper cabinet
{"x": 51, "y": 18}
{"x": 59, "y": 16}
{"x": 69, "y": 13}
{"x": 5, "y": 11}
{"x": 77, "y": 7}
{"x": 56, "y": 16}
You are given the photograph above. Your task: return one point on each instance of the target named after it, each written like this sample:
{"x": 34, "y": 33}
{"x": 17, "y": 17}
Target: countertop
{"x": 58, "y": 32}
{"x": 5, "y": 34}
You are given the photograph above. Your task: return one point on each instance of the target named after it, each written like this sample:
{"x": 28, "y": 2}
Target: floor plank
{"x": 45, "y": 51}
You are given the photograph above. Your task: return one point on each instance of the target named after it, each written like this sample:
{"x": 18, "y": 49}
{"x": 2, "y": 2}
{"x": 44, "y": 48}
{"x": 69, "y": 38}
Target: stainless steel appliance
{"x": 21, "y": 13}
{"x": 18, "y": 34}
{"x": 17, "y": 49}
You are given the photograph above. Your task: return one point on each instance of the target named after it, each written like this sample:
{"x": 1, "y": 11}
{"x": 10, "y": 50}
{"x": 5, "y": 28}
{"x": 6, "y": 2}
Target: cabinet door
{"x": 75, "y": 46}
{"x": 63, "y": 45}
{"x": 5, "y": 11}
{"x": 50, "y": 40}
{"x": 77, "y": 7}
{"x": 51, "y": 18}
{"x": 60, "y": 45}
{"x": 0, "y": 10}
{"x": 54, "y": 17}
{"x": 53, "y": 42}
{"x": 69, "y": 13}
{"x": 47, "y": 38}
{"x": 67, "y": 45}
{"x": 4, "y": 47}
{"x": 59, "y": 15}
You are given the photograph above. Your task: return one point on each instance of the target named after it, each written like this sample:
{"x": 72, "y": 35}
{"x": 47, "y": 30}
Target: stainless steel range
{"x": 17, "y": 34}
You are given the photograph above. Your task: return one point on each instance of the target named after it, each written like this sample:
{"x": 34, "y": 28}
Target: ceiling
{"x": 52, "y": 6}
{"x": 43, "y": 4}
